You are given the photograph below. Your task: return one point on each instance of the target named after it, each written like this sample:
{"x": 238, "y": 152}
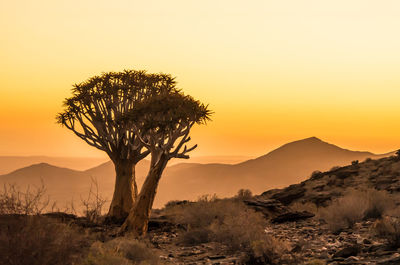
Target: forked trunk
{"x": 125, "y": 191}
{"x": 138, "y": 219}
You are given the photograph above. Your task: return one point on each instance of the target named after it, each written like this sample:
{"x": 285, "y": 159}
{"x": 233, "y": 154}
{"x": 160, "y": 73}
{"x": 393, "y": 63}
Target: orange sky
{"x": 273, "y": 71}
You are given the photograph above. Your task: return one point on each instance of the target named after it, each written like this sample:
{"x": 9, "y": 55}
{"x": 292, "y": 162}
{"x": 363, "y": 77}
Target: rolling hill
{"x": 11, "y": 163}
{"x": 290, "y": 163}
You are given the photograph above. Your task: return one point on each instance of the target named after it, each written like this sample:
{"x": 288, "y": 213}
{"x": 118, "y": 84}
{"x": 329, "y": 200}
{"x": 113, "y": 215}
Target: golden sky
{"x": 273, "y": 71}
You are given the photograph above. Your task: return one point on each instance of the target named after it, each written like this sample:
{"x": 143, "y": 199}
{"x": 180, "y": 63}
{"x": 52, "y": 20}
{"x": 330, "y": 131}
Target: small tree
{"x": 162, "y": 124}
{"x": 92, "y": 113}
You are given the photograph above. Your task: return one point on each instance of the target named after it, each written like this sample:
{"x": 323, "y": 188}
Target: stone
{"x": 290, "y": 194}
{"x": 348, "y": 251}
{"x": 292, "y": 217}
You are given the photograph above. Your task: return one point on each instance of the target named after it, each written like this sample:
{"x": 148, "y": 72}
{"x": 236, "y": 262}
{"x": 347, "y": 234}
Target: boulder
{"x": 292, "y": 217}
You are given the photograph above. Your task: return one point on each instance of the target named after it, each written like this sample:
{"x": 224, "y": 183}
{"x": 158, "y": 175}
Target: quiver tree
{"x": 92, "y": 113}
{"x": 162, "y": 124}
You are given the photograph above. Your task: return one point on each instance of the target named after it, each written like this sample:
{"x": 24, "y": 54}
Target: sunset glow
{"x": 272, "y": 71}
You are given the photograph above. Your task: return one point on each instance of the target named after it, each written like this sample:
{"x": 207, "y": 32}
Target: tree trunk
{"x": 138, "y": 219}
{"x": 125, "y": 191}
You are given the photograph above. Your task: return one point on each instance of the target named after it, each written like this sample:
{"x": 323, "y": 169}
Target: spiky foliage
{"x": 96, "y": 104}
{"x": 165, "y": 119}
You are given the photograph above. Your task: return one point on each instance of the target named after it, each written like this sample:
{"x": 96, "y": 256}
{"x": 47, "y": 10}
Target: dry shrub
{"x": 31, "y": 201}
{"x": 38, "y": 240}
{"x": 196, "y": 236}
{"x": 120, "y": 251}
{"x": 244, "y": 194}
{"x": 233, "y": 224}
{"x": 93, "y": 204}
{"x": 379, "y": 203}
{"x": 354, "y": 207}
{"x": 389, "y": 228}
{"x": 269, "y": 250}
{"x": 334, "y": 168}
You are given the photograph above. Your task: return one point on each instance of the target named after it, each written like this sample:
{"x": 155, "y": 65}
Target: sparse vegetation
{"x": 31, "y": 201}
{"x": 93, "y": 203}
{"x": 120, "y": 251}
{"x": 38, "y": 240}
{"x": 354, "y": 207}
{"x": 231, "y": 223}
{"x": 244, "y": 194}
{"x": 389, "y": 228}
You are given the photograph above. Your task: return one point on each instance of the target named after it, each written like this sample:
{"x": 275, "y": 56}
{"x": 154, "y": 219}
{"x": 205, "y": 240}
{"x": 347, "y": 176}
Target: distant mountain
{"x": 11, "y": 163}
{"x": 290, "y": 163}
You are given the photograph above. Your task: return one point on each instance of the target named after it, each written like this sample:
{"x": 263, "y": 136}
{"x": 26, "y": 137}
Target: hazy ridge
{"x": 288, "y": 164}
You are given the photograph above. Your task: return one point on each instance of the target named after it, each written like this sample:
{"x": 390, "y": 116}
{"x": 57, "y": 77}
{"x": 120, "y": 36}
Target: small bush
{"x": 120, "y": 251}
{"x": 268, "y": 251}
{"x": 334, "y": 168}
{"x": 389, "y": 228}
{"x": 355, "y": 162}
{"x": 196, "y": 236}
{"x": 345, "y": 211}
{"x": 379, "y": 202}
{"x": 316, "y": 175}
{"x": 244, "y": 194}
{"x": 93, "y": 204}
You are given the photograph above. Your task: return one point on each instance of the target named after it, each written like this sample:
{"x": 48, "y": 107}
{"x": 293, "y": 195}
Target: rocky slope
{"x": 309, "y": 237}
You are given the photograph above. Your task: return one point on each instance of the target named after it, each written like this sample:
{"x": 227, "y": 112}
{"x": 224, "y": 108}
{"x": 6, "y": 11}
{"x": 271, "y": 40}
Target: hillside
{"x": 286, "y": 165}
{"x": 323, "y": 187}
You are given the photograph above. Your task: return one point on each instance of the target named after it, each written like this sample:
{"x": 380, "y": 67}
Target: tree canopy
{"x": 96, "y": 104}
{"x": 159, "y": 121}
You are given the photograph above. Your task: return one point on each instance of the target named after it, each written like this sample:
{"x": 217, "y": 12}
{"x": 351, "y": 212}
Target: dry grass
{"x": 354, "y": 207}
{"x": 233, "y": 224}
{"x": 27, "y": 237}
{"x": 38, "y": 240}
{"x": 120, "y": 251}
{"x": 389, "y": 228}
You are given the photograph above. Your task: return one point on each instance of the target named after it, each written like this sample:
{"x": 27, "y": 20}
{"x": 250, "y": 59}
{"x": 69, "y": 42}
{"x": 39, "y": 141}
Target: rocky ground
{"x": 309, "y": 239}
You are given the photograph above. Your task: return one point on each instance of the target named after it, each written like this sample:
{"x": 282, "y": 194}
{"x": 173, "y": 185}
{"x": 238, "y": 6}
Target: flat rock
{"x": 292, "y": 217}
{"x": 347, "y": 252}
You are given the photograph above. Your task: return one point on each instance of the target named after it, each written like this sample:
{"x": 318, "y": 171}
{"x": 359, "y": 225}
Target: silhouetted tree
{"x": 162, "y": 124}
{"x": 92, "y": 113}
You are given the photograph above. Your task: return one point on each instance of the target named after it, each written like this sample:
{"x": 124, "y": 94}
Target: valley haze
{"x": 288, "y": 164}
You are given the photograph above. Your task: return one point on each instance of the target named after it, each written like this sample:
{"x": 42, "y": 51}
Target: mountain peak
{"x": 311, "y": 139}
